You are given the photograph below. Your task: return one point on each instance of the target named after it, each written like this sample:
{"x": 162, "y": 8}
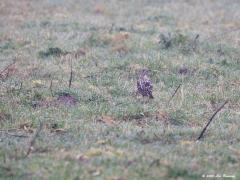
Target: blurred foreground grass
{"x": 106, "y": 131}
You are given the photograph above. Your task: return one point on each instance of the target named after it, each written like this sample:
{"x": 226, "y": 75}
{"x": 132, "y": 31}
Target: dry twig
{"x": 16, "y": 135}
{"x": 71, "y": 75}
{"x": 51, "y": 84}
{"x": 175, "y": 92}
{"x": 210, "y": 120}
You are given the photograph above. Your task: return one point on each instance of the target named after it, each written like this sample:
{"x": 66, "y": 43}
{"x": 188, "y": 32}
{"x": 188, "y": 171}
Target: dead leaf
{"x": 162, "y": 116}
{"x": 26, "y": 127}
{"x": 235, "y": 83}
{"x": 111, "y": 151}
{"x": 120, "y": 37}
{"x": 59, "y": 130}
{"x": 184, "y": 142}
{"x": 65, "y": 154}
{"x": 93, "y": 152}
{"x": 37, "y": 83}
{"x": 120, "y": 49}
{"x": 108, "y": 120}
{"x": 102, "y": 142}
{"x": 135, "y": 67}
{"x": 115, "y": 38}
{"x": 106, "y": 151}
{"x": 95, "y": 172}
{"x": 82, "y": 158}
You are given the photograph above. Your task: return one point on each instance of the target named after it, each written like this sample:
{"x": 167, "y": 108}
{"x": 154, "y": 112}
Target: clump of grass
{"x": 176, "y": 173}
{"x": 31, "y": 97}
{"x": 178, "y": 117}
{"x": 172, "y": 40}
{"x": 7, "y": 45}
{"x": 184, "y": 43}
{"x": 65, "y": 92}
{"x": 95, "y": 40}
{"x": 52, "y": 51}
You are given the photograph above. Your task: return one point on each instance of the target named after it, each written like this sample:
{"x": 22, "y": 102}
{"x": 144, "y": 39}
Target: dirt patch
{"x": 67, "y": 99}
{"x": 62, "y": 100}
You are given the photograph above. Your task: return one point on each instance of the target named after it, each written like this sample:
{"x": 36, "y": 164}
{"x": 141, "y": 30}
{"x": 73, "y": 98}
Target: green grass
{"x": 112, "y": 133}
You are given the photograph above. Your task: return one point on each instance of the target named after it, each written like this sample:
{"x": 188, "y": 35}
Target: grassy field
{"x": 99, "y": 128}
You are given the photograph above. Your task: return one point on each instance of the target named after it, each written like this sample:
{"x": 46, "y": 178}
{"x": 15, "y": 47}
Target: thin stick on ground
{"x": 16, "y": 135}
{"x": 12, "y": 129}
{"x": 51, "y": 84}
{"x": 32, "y": 141}
{"x": 210, "y": 120}
{"x": 175, "y": 92}
{"x": 71, "y": 75}
{"x": 6, "y": 131}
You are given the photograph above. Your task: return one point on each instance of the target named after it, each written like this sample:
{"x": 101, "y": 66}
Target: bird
{"x": 144, "y": 84}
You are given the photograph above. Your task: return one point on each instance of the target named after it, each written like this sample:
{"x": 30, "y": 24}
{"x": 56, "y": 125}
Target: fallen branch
{"x": 13, "y": 129}
{"x": 16, "y": 135}
{"x": 175, "y": 92}
{"x": 32, "y": 141}
{"x": 210, "y": 120}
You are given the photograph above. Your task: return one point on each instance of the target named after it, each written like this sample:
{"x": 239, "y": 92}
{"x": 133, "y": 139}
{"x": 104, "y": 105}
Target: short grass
{"x": 112, "y": 133}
